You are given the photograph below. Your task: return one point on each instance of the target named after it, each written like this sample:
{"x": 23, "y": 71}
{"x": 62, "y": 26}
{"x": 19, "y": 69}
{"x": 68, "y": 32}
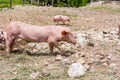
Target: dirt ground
{"x": 103, "y": 57}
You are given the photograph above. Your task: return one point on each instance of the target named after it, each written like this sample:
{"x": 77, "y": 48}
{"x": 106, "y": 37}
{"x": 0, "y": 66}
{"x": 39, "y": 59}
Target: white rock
{"x": 38, "y": 46}
{"x": 75, "y": 70}
{"x": 81, "y": 40}
{"x": 31, "y": 44}
{"x": 58, "y": 58}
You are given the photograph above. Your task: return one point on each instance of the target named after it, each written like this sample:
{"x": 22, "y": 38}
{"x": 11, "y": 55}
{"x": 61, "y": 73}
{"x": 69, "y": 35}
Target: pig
{"x": 33, "y": 33}
{"x": 62, "y": 18}
{"x": 2, "y": 36}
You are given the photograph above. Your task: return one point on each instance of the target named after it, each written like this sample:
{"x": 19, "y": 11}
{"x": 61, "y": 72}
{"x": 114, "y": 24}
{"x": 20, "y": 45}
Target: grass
{"x": 98, "y": 75}
{"x": 5, "y": 3}
{"x": 104, "y": 8}
{"x": 101, "y": 8}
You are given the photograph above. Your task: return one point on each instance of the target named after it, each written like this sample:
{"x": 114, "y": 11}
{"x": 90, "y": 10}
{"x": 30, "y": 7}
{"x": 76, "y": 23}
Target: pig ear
{"x": 64, "y": 32}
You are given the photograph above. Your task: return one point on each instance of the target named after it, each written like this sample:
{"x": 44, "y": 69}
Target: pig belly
{"x": 34, "y": 38}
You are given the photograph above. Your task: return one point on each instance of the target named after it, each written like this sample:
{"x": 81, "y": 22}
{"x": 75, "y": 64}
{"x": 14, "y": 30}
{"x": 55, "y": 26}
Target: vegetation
{"x": 6, "y": 3}
{"x": 55, "y": 3}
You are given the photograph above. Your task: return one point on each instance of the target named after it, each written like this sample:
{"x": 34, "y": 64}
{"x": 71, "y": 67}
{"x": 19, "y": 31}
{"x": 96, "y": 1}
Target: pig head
{"x": 50, "y": 34}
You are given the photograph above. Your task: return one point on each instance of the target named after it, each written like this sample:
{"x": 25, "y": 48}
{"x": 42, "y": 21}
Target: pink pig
{"x": 62, "y": 18}
{"x": 50, "y": 34}
{"x": 2, "y": 36}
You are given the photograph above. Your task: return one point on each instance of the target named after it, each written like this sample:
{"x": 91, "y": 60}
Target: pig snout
{"x": 73, "y": 41}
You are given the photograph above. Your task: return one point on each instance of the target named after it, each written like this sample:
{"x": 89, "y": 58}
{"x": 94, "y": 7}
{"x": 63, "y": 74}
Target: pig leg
{"x": 57, "y": 22}
{"x": 9, "y": 43}
{"x": 57, "y": 46}
{"x": 63, "y": 22}
{"x": 51, "y": 48}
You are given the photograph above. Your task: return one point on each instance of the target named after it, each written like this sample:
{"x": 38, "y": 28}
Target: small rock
{"x": 75, "y": 70}
{"x": 58, "y": 58}
{"x": 109, "y": 57}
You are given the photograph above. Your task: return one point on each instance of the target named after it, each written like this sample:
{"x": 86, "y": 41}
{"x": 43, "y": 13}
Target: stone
{"x": 58, "y": 58}
{"x": 31, "y": 44}
{"x": 81, "y": 41}
{"x": 76, "y": 70}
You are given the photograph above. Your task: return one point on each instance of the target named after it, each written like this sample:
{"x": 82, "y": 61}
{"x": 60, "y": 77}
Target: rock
{"x": 34, "y": 75}
{"x": 58, "y": 58}
{"x": 109, "y": 57}
{"x": 75, "y": 70}
{"x": 81, "y": 41}
{"x": 31, "y": 44}
{"x": 38, "y": 47}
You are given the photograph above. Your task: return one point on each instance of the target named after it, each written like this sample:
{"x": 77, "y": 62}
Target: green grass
{"x": 5, "y": 3}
